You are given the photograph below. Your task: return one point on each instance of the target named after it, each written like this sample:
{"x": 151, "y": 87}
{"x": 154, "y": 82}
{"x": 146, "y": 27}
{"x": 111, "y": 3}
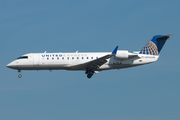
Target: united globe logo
{"x": 150, "y": 49}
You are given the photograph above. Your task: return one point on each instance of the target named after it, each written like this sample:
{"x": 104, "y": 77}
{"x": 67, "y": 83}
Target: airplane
{"x": 92, "y": 62}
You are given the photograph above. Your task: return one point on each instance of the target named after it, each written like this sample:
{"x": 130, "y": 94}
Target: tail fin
{"x": 155, "y": 45}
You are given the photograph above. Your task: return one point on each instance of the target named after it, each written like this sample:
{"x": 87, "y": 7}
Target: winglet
{"x": 115, "y": 50}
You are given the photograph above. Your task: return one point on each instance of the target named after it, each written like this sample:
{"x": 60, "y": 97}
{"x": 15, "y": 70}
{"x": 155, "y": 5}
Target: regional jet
{"x": 91, "y": 62}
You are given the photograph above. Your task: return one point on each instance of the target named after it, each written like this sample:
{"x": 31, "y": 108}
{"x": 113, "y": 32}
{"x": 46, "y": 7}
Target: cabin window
{"x": 72, "y": 57}
{"x": 77, "y": 57}
{"x": 140, "y": 60}
{"x": 82, "y": 57}
{"x": 68, "y": 58}
{"x": 52, "y": 58}
{"x": 47, "y": 58}
{"x": 62, "y": 58}
{"x": 91, "y": 57}
{"x": 96, "y": 57}
{"x": 57, "y": 58}
{"x": 87, "y": 57}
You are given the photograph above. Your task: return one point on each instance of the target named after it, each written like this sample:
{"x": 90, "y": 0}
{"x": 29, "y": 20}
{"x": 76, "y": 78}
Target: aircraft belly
{"x": 43, "y": 67}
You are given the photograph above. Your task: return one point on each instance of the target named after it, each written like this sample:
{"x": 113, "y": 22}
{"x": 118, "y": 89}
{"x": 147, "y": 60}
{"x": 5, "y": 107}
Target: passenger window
{"x": 72, "y": 57}
{"x": 68, "y": 58}
{"x": 77, "y": 57}
{"x": 52, "y": 58}
{"x": 57, "y": 58}
{"x": 47, "y": 58}
{"x": 87, "y": 57}
{"x": 62, "y": 58}
{"x": 82, "y": 58}
{"x": 96, "y": 57}
{"x": 91, "y": 57}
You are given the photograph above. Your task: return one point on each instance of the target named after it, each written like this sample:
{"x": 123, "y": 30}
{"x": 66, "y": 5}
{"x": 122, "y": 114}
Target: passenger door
{"x": 36, "y": 59}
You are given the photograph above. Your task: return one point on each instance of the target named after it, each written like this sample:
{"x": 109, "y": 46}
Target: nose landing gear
{"x": 19, "y": 71}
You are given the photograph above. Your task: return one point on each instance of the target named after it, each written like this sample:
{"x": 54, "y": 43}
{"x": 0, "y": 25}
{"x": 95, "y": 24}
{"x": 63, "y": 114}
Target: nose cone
{"x": 11, "y": 65}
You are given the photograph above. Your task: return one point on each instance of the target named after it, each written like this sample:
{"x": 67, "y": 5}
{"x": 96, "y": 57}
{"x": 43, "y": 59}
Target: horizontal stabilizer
{"x": 164, "y": 37}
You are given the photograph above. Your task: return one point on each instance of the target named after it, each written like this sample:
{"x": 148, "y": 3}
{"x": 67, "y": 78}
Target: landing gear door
{"x": 36, "y": 59}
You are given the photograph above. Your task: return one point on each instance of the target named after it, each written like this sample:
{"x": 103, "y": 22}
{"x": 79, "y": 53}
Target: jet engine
{"x": 122, "y": 54}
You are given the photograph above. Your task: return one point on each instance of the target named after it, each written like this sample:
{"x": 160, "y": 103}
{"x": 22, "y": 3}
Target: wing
{"x": 95, "y": 64}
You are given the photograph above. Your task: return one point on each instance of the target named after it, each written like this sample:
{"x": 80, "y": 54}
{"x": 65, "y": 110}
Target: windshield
{"x": 23, "y": 57}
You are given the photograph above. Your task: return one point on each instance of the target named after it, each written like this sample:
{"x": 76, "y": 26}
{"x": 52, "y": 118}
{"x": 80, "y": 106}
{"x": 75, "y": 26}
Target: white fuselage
{"x": 91, "y": 62}
{"x": 60, "y": 61}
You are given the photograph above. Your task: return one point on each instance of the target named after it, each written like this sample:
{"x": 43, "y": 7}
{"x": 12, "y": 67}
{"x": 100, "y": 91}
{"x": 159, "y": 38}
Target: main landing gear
{"x": 19, "y": 71}
{"x": 89, "y": 73}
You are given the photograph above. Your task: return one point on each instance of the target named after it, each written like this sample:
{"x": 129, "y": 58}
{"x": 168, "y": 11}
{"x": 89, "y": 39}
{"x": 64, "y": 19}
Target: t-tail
{"x": 155, "y": 45}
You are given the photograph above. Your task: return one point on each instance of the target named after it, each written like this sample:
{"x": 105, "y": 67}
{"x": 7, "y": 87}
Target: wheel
{"x": 19, "y": 75}
{"x": 89, "y": 75}
{"x": 88, "y": 71}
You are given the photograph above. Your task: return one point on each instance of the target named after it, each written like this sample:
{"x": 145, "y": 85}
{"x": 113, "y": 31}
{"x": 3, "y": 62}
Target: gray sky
{"x": 144, "y": 92}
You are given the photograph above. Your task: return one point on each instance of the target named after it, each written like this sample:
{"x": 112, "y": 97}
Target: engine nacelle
{"x": 122, "y": 54}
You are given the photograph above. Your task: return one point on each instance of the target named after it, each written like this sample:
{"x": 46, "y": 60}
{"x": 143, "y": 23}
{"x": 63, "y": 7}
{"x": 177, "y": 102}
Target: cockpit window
{"x": 23, "y": 57}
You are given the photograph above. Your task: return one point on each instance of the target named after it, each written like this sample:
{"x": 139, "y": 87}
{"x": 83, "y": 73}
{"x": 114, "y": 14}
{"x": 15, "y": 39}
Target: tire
{"x": 89, "y": 76}
{"x": 19, "y": 75}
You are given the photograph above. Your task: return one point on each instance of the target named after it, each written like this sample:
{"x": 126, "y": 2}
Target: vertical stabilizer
{"x": 155, "y": 45}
